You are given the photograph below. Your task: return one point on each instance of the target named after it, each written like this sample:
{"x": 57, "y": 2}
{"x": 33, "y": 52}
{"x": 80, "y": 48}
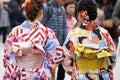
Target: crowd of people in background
{"x": 62, "y": 16}
{"x": 13, "y": 8}
{"x": 4, "y": 20}
{"x": 16, "y": 15}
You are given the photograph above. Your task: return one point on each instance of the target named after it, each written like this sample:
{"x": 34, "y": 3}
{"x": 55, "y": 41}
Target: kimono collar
{"x": 69, "y": 16}
{"x": 91, "y": 26}
{"x": 26, "y": 24}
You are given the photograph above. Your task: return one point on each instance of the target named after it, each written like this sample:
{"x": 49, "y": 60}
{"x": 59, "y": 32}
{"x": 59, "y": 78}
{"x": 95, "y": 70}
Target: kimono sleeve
{"x": 68, "y": 62}
{"x": 109, "y": 40}
{"x": 53, "y": 48}
{"x": 110, "y": 44}
{"x": 8, "y": 46}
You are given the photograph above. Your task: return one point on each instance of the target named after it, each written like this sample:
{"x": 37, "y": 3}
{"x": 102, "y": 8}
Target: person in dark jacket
{"x": 55, "y": 18}
{"x": 4, "y": 21}
{"x": 116, "y": 15}
{"x": 15, "y": 14}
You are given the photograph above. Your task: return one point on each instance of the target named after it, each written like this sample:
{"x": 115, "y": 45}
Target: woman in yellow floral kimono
{"x": 89, "y": 48}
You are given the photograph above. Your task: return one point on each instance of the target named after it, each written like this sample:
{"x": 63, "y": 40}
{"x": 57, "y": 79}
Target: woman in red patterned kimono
{"x": 89, "y": 48}
{"x": 31, "y": 50}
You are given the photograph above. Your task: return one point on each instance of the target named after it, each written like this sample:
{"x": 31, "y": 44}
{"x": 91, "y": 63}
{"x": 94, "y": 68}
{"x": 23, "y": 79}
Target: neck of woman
{"x": 33, "y": 24}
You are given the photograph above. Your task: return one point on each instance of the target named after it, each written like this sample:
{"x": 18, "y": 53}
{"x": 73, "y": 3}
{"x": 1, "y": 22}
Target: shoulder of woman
{"x": 73, "y": 31}
{"x": 15, "y": 30}
{"x": 50, "y": 32}
{"x": 102, "y": 29}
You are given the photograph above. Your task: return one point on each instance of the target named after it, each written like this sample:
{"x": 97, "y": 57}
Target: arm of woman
{"x": 53, "y": 49}
{"x": 111, "y": 46}
{"x": 8, "y": 46}
{"x": 68, "y": 62}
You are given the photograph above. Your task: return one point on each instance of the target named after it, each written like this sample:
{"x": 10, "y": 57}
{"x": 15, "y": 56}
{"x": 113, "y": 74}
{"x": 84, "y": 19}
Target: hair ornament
{"x": 84, "y": 15}
{"x": 26, "y": 5}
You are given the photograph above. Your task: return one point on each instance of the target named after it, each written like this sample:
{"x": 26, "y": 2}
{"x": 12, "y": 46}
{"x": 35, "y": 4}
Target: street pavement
{"x": 116, "y": 68}
{"x": 1, "y": 59}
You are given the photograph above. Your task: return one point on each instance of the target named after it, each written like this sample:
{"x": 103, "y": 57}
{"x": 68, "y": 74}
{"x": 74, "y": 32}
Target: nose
{"x": 72, "y": 9}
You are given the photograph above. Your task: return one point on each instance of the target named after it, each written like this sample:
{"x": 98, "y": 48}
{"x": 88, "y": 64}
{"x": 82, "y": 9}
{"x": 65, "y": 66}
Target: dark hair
{"x": 67, "y": 2}
{"x": 90, "y": 6}
{"x": 34, "y": 8}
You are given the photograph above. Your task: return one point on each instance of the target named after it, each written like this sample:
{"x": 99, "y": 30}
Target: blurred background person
{"x": 4, "y": 21}
{"x": 45, "y": 1}
{"x": 108, "y": 23}
{"x": 70, "y": 7}
{"x": 116, "y": 15}
{"x": 15, "y": 14}
{"x": 104, "y": 18}
{"x": 55, "y": 18}
{"x": 100, "y": 17}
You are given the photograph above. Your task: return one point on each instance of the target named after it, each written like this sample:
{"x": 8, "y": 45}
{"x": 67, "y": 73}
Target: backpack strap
{"x": 47, "y": 6}
{"x": 49, "y": 9}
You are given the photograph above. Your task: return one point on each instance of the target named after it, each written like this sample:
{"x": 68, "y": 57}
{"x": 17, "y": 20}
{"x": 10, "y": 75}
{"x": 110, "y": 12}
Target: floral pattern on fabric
{"x": 91, "y": 51}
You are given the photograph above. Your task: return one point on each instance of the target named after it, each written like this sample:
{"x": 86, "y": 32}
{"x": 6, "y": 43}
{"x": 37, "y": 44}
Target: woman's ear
{"x": 41, "y": 11}
{"x": 40, "y": 14}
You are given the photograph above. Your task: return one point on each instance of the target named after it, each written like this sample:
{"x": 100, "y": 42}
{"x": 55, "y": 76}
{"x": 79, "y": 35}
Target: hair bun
{"x": 32, "y": 7}
{"x": 90, "y": 6}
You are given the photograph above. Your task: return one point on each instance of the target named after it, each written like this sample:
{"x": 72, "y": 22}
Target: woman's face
{"x": 1, "y": 4}
{"x": 70, "y": 9}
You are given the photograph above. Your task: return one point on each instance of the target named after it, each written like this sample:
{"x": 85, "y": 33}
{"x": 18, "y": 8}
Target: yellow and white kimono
{"x": 89, "y": 54}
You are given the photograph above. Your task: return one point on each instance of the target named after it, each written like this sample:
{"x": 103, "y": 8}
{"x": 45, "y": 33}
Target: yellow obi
{"x": 90, "y": 59}
{"x": 91, "y": 64}
{"x": 86, "y": 52}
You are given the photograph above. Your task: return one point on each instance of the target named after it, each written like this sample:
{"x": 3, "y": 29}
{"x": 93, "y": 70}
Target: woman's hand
{"x": 53, "y": 66}
{"x": 67, "y": 61}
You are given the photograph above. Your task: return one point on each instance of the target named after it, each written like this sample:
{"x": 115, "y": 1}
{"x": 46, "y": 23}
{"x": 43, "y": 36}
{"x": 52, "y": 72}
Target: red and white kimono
{"x": 29, "y": 52}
